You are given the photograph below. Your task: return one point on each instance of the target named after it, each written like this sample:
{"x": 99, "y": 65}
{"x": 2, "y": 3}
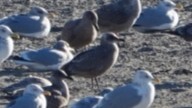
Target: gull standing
{"x": 33, "y": 24}
{"x": 118, "y": 16}
{"x": 81, "y": 32}
{"x": 158, "y": 18}
{"x": 32, "y": 98}
{"x": 46, "y": 58}
{"x": 95, "y": 61}
{"x": 138, "y": 94}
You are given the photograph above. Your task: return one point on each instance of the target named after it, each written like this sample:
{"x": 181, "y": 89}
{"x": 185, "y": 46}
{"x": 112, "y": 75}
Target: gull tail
{"x": 66, "y": 72}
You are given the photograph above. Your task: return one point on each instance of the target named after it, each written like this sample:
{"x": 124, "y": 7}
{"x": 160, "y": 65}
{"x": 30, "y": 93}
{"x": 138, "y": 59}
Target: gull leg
{"x": 97, "y": 84}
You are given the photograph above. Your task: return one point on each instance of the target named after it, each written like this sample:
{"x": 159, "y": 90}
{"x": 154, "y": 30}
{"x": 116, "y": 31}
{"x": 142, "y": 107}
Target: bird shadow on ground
{"x": 18, "y": 72}
{"x": 188, "y": 8}
{"x": 56, "y": 29}
{"x": 173, "y": 86}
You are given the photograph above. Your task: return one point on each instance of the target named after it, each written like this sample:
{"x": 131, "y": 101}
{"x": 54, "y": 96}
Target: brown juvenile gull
{"x": 32, "y": 98}
{"x": 138, "y": 94}
{"x": 118, "y": 16}
{"x": 59, "y": 89}
{"x": 81, "y": 32}
{"x": 59, "y": 92}
{"x": 46, "y": 58}
{"x": 95, "y": 61}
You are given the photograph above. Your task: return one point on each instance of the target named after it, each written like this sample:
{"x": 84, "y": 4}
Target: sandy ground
{"x": 169, "y": 57}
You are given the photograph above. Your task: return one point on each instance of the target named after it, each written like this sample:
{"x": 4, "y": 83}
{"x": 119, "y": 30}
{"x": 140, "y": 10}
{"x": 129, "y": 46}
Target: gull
{"x": 118, "y": 16}
{"x": 158, "y": 18}
{"x": 55, "y": 85}
{"x": 81, "y": 32}
{"x": 89, "y": 101}
{"x": 46, "y": 58}
{"x": 6, "y": 43}
{"x": 95, "y": 61}
{"x": 13, "y": 89}
{"x": 32, "y": 24}
{"x": 138, "y": 94}
{"x": 32, "y": 97}
{"x": 60, "y": 94}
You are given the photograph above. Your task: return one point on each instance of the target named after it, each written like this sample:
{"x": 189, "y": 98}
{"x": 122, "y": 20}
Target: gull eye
{"x": 35, "y": 90}
{"x": 146, "y": 76}
{"x": 3, "y": 30}
{"x": 40, "y": 12}
{"x": 168, "y": 5}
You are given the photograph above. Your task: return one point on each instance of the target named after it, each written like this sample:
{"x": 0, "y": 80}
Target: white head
{"x": 34, "y": 89}
{"x": 143, "y": 76}
{"x": 63, "y": 46}
{"x": 5, "y": 31}
{"x": 40, "y": 11}
{"x": 167, "y": 4}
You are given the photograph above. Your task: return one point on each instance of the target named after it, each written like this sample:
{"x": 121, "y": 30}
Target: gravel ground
{"x": 168, "y": 57}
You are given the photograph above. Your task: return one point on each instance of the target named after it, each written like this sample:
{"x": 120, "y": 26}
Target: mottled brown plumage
{"x": 59, "y": 90}
{"x": 81, "y": 32}
{"x": 95, "y": 61}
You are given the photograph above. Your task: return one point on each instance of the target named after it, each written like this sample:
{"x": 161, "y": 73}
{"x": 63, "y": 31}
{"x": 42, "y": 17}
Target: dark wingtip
{"x": 16, "y": 58}
{"x": 136, "y": 25}
{"x": 62, "y": 74}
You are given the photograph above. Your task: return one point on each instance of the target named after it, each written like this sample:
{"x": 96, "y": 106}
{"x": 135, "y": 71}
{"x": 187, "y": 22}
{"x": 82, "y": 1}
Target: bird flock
{"x": 72, "y": 56}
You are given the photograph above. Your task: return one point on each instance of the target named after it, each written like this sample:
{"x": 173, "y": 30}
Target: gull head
{"x": 110, "y": 38}
{"x": 40, "y": 11}
{"x": 34, "y": 89}
{"x": 143, "y": 76}
{"x": 5, "y": 31}
{"x": 92, "y": 17}
{"x": 167, "y": 4}
{"x": 63, "y": 45}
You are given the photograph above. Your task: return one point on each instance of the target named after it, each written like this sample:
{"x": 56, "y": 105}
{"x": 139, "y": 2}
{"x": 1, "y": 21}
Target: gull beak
{"x": 47, "y": 93}
{"x": 71, "y": 49}
{"x": 180, "y": 7}
{"x": 121, "y": 40}
{"x": 156, "y": 80}
{"x": 52, "y": 14}
{"x": 118, "y": 39}
{"x": 15, "y": 36}
{"x": 96, "y": 26}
